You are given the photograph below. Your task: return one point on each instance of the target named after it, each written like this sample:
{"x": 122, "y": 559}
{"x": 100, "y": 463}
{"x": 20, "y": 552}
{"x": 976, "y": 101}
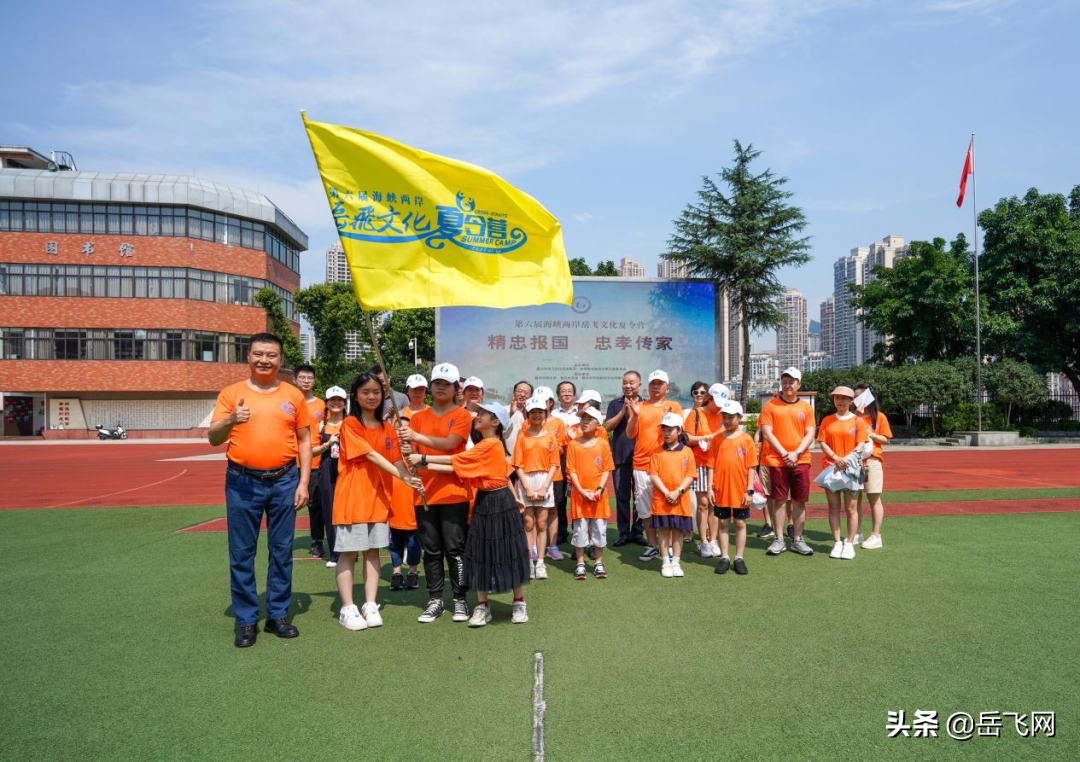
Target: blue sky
{"x": 608, "y": 113}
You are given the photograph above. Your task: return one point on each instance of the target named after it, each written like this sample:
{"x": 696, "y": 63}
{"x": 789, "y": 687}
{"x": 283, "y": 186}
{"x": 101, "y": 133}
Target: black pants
{"x": 315, "y": 512}
{"x": 623, "y": 477}
{"x": 562, "y": 494}
{"x": 443, "y": 529}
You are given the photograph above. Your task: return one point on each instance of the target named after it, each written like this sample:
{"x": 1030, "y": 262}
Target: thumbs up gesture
{"x": 241, "y": 413}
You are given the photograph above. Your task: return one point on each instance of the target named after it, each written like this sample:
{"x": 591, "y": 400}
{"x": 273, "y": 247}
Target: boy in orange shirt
{"x": 672, "y": 471}
{"x": 731, "y": 478}
{"x": 589, "y": 465}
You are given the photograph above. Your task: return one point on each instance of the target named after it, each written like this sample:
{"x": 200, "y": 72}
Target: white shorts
{"x": 534, "y": 480}
{"x": 589, "y": 532}
{"x": 643, "y": 494}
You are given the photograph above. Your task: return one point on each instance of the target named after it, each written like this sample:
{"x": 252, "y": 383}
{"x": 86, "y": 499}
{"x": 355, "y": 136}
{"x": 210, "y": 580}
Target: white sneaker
{"x": 676, "y": 567}
{"x": 350, "y": 618}
{"x": 858, "y": 538}
{"x": 331, "y": 564}
{"x": 704, "y": 549}
{"x": 370, "y": 612}
{"x": 541, "y": 570}
{"x": 872, "y": 542}
{"x": 837, "y": 549}
{"x": 532, "y": 569}
{"x": 519, "y": 614}
{"x": 481, "y": 615}
{"x": 848, "y": 552}
{"x": 715, "y": 549}
{"x": 665, "y": 570}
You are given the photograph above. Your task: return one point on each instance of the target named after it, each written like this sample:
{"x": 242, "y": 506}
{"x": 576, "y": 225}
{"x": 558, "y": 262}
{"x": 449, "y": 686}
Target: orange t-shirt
{"x": 364, "y": 490}
{"x": 731, "y": 461}
{"x": 558, "y": 430}
{"x": 442, "y": 488}
{"x": 317, "y": 411}
{"x": 536, "y": 453}
{"x": 589, "y": 463}
{"x": 843, "y": 436}
{"x": 649, "y": 439}
{"x": 699, "y": 423}
{"x": 484, "y": 465}
{"x": 789, "y": 421}
{"x": 673, "y": 467}
{"x": 883, "y": 429}
{"x": 268, "y": 439}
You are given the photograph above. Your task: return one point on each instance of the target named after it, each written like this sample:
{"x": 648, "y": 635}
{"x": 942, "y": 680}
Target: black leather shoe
{"x": 623, "y": 540}
{"x": 282, "y": 627}
{"x": 246, "y": 635}
{"x": 640, "y": 540}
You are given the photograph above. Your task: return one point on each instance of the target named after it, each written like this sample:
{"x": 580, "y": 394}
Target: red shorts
{"x": 787, "y": 483}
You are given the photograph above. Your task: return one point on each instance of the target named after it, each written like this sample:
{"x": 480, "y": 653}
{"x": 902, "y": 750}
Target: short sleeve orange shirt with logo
{"x": 535, "y": 453}
{"x": 589, "y": 463}
{"x": 317, "y": 411}
{"x": 884, "y": 429}
{"x": 558, "y": 430}
{"x": 268, "y": 439}
{"x": 673, "y": 467}
{"x": 649, "y": 439}
{"x": 843, "y": 436}
{"x": 789, "y": 421}
{"x": 442, "y": 489}
{"x": 484, "y": 466}
{"x": 364, "y": 490}
{"x": 698, "y": 424}
{"x": 731, "y": 462}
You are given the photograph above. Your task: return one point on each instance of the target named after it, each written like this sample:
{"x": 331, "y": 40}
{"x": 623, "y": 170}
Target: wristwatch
{"x": 682, "y": 490}
{"x": 750, "y": 492}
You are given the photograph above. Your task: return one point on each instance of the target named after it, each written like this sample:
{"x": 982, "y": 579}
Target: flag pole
{"x": 394, "y": 412}
{"x": 978, "y": 310}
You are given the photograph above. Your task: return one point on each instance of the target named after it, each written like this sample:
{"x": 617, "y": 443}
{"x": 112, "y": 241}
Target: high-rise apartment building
{"x": 671, "y": 268}
{"x": 848, "y": 331}
{"x": 828, "y": 328}
{"x": 337, "y": 271}
{"x": 628, "y": 268}
{"x": 791, "y": 337}
{"x": 307, "y": 345}
{"x": 885, "y": 255}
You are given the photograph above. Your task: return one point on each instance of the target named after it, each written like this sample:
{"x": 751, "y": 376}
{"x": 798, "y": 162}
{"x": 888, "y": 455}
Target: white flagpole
{"x": 978, "y": 311}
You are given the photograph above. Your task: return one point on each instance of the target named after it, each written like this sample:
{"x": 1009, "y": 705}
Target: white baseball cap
{"x": 544, "y": 393}
{"x": 445, "y": 372}
{"x": 719, "y": 392}
{"x": 497, "y": 409}
{"x": 658, "y": 375}
{"x": 591, "y": 411}
{"x": 473, "y": 381}
{"x": 589, "y": 395}
{"x": 535, "y": 403}
{"x": 337, "y": 391}
{"x": 794, "y": 372}
{"x": 416, "y": 380}
{"x": 731, "y": 407}
{"x": 672, "y": 419}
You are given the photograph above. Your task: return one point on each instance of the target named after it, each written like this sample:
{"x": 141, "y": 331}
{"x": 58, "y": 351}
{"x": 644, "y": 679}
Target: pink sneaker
{"x": 554, "y": 554}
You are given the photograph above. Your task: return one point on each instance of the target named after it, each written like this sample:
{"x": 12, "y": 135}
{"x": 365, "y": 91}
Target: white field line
{"x": 539, "y": 705}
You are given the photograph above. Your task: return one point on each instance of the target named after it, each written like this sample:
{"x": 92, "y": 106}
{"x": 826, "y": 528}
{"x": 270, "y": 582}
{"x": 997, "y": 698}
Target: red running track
{"x": 130, "y": 474}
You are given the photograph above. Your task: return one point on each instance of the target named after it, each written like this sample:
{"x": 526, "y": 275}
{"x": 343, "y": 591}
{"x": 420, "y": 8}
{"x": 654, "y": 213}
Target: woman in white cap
{"x": 497, "y": 558}
{"x": 880, "y": 434}
{"x": 672, "y": 471}
{"x": 416, "y": 388}
{"x": 328, "y": 448}
{"x": 472, "y": 391}
{"x": 841, "y": 437}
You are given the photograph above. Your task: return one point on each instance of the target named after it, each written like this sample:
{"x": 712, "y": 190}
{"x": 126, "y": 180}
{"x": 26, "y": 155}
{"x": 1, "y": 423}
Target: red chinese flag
{"x": 968, "y": 170}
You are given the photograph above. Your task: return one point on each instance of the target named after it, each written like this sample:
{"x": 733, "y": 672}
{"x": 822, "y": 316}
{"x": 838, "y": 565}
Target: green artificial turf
{"x": 119, "y": 647}
{"x": 966, "y": 495}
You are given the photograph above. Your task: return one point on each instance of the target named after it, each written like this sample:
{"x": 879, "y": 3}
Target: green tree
{"x": 281, "y": 326}
{"x": 579, "y": 267}
{"x": 1030, "y": 278}
{"x": 332, "y": 311}
{"x": 394, "y": 331}
{"x": 740, "y": 238}
{"x": 1013, "y": 383}
{"x": 923, "y": 305}
{"x": 606, "y": 269}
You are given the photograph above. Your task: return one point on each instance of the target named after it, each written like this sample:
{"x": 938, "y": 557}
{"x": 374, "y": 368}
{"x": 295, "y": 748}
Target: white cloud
{"x": 583, "y": 217}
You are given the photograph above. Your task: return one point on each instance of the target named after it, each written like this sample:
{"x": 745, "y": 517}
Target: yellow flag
{"x": 421, "y": 230}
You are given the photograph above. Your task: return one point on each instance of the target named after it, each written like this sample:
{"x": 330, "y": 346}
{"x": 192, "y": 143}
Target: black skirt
{"x": 497, "y": 557}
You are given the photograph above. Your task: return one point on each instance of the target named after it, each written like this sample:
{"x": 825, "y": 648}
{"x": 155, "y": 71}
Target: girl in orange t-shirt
{"x": 731, "y": 477}
{"x": 496, "y": 551}
{"x": 672, "y": 471}
{"x": 369, "y": 459}
{"x": 588, "y": 467}
{"x": 841, "y": 437}
{"x": 702, "y": 425}
{"x": 536, "y": 461}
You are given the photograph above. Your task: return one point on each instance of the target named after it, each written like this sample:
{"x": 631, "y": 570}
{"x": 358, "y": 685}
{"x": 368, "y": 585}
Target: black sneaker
{"x": 397, "y": 582}
{"x": 790, "y": 532}
{"x": 650, "y": 552}
{"x": 412, "y": 581}
{"x": 461, "y": 610}
{"x": 434, "y": 610}
{"x": 579, "y": 571}
{"x": 623, "y": 540}
{"x": 765, "y": 533}
{"x": 590, "y": 552}
{"x": 723, "y": 566}
{"x": 740, "y": 566}
{"x": 318, "y": 550}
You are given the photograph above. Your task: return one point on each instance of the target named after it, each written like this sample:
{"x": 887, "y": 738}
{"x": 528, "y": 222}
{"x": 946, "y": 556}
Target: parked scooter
{"x": 106, "y": 433}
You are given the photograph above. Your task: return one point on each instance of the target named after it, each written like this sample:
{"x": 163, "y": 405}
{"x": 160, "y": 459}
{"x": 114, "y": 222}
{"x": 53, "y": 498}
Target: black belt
{"x": 266, "y": 475}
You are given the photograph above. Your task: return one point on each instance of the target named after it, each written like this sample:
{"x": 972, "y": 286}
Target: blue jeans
{"x": 404, "y": 542}
{"x": 247, "y": 499}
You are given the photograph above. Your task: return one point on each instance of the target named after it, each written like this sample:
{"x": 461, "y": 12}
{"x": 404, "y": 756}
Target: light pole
{"x": 413, "y": 347}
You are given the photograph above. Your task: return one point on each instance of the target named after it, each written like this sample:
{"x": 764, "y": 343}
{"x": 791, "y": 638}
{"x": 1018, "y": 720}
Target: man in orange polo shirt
{"x": 267, "y": 427}
{"x": 787, "y": 428}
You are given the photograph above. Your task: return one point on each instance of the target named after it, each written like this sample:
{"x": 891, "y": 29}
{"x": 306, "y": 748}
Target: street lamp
{"x": 413, "y": 347}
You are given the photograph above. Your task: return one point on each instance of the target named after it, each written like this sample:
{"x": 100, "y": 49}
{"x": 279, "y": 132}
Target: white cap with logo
{"x": 590, "y": 395}
{"x": 535, "y": 403}
{"x": 594, "y": 413}
{"x": 473, "y": 381}
{"x": 731, "y": 407}
{"x": 719, "y": 393}
{"x": 794, "y": 372}
{"x": 445, "y": 372}
{"x": 544, "y": 393}
{"x": 337, "y": 391}
{"x": 672, "y": 419}
{"x": 498, "y": 410}
{"x": 415, "y": 381}
{"x": 658, "y": 375}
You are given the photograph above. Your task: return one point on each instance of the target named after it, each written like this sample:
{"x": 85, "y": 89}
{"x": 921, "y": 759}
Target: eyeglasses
{"x": 700, "y": 393}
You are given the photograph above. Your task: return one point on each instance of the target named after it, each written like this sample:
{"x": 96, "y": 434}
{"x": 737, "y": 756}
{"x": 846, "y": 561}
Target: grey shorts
{"x": 589, "y": 532}
{"x": 350, "y": 538}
